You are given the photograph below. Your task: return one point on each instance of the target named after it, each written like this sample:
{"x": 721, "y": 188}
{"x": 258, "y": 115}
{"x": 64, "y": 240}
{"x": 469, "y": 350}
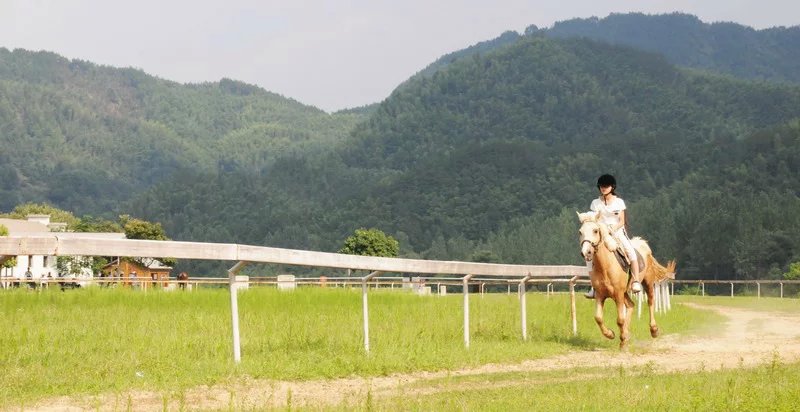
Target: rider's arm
{"x": 621, "y": 221}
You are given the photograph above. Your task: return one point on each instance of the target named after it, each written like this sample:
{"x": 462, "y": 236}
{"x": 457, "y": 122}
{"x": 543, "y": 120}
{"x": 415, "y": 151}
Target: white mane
{"x": 587, "y": 217}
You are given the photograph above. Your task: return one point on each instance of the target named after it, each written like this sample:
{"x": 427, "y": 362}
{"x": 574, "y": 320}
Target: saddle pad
{"x": 624, "y": 263}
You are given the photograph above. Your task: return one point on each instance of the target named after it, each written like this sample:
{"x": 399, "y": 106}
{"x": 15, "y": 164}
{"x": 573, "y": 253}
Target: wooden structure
{"x": 138, "y": 274}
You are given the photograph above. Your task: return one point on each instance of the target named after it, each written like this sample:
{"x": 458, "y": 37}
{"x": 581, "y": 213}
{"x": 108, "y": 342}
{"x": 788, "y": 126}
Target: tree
{"x": 95, "y": 224}
{"x": 10, "y": 263}
{"x": 370, "y": 242}
{"x": 142, "y": 229}
{"x": 56, "y": 214}
{"x": 794, "y": 272}
{"x": 73, "y": 265}
{"x": 484, "y": 256}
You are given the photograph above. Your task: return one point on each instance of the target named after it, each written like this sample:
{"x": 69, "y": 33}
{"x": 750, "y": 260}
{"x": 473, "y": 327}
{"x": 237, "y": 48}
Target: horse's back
{"x": 641, "y": 245}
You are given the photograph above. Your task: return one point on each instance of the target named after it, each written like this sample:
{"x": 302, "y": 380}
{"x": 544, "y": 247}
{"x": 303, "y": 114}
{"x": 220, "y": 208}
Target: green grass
{"x": 104, "y": 340}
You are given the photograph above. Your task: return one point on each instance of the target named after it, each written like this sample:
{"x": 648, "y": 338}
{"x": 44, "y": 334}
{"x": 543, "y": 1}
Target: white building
{"x": 39, "y": 265}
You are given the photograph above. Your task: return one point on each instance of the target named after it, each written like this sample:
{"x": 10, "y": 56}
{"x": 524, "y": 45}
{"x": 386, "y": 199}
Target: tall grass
{"x": 111, "y": 340}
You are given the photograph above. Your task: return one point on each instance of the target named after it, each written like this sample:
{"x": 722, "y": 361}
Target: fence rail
{"x": 389, "y": 281}
{"x": 465, "y": 274}
{"x": 780, "y": 285}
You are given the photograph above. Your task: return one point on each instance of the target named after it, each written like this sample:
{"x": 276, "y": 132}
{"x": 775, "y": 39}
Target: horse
{"x": 183, "y": 279}
{"x": 610, "y": 280}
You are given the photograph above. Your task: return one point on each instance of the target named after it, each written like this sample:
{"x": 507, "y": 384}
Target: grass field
{"x": 105, "y": 340}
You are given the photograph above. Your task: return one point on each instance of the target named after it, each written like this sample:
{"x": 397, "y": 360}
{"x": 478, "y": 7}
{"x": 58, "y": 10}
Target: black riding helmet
{"x": 607, "y": 180}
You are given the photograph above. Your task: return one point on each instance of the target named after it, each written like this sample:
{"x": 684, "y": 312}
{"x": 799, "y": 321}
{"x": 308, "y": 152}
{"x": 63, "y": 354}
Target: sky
{"x": 329, "y": 54}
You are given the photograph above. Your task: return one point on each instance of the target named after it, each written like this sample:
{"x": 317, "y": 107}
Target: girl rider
{"x": 610, "y": 211}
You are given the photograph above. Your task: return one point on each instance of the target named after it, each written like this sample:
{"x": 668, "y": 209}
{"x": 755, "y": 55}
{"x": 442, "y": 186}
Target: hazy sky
{"x": 330, "y": 54}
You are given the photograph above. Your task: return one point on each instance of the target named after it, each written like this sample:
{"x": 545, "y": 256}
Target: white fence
{"x": 522, "y": 275}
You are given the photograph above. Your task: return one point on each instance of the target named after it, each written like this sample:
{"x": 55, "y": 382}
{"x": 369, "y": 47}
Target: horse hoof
{"x": 609, "y": 335}
{"x": 654, "y": 331}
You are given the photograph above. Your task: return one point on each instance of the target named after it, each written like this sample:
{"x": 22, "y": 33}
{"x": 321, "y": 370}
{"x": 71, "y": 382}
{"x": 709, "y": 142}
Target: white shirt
{"x": 609, "y": 213}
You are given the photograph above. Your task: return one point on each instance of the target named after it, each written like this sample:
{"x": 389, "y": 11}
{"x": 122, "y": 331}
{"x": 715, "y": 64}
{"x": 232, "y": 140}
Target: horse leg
{"x": 598, "y": 317}
{"x": 650, "y": 290}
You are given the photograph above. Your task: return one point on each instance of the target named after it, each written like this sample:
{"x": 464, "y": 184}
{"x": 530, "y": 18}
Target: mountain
{"x": 88, "y": 137}
{"x": 491, "y": 155}
{"x": 485, "y": 155}
{"x": 769, "y": 54}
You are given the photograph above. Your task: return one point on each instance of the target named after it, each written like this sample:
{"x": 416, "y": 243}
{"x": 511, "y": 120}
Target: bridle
{"x": 594, "y": 245}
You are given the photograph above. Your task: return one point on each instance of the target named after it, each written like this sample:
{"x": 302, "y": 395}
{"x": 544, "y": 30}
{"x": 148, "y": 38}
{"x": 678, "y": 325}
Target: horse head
{"x": 592, "y": 233}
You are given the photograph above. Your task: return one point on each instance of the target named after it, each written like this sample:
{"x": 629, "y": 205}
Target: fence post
{"x": 781, "y": 290}
{"x": 237, "y": 350}
{"x": 522, "y": 306}
{"x": 731, "y": 289}
{"x": 466, "y": 309}
{"x": 657, "y": 297}
{"x": 573, "y": 309}
{"x": 703, "y": 287}
{"x": 639, "y": 305}
{"x": 669, "y": 296}
{"x": 758, "y": 286}
{"x": 365, "y": 306}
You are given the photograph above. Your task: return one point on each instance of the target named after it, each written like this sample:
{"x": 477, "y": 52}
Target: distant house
{"x": 40, "y": 265}
{"x": 149, "y": 272}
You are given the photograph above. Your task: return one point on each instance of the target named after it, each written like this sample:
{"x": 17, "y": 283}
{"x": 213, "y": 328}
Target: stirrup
{"x": 636, "y": 287}
{"x": 589, "y": 294}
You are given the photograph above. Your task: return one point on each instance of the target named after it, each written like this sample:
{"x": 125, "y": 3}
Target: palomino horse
{"x": 609, "y": 280}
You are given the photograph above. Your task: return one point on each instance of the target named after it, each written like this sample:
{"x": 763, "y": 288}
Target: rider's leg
{"x": 636, "y": 285}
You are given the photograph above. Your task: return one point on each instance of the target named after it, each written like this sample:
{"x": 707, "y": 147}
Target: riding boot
{"x": 636, "y": 287}
{"x": 589, "y": 294}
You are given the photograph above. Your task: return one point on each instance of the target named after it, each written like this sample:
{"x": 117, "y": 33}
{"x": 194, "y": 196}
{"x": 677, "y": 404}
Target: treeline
{"x": 489, "y": 159}
{"x": 724, "y": 47}
{"x": 87, "y": 137}
{"x": 485, "y": 157}
{"x": 683, "y": 39}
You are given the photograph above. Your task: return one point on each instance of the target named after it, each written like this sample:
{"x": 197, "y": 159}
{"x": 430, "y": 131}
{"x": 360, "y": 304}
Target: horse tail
{"x": 661, "y": 271}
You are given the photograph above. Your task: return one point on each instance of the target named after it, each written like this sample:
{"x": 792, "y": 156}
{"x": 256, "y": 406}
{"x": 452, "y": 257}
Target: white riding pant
{"x": 622, "y": 237}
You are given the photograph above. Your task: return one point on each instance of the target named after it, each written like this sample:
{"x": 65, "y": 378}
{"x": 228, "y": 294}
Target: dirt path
{"x": 754, "y": 337}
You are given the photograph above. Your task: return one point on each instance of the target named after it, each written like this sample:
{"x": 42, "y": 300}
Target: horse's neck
{"x": 603, "y": 259}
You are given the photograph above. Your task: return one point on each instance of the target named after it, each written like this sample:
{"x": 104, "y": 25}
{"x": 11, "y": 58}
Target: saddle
{"x": 623, "y": 260}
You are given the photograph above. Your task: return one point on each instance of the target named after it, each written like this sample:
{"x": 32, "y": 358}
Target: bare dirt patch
{"x": 748, "y": 338}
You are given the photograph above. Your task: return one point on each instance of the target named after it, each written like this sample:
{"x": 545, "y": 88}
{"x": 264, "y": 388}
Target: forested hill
{"x": 87, "y": 137}
{"x": 772, "y": 54}
{"x": 769, "y": 54}
{"x": 490, "y": 156}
